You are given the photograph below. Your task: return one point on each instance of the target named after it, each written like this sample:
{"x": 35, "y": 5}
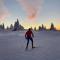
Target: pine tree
{"x": 11, "y": 27}
{"x": 7, "y": 28}
{"x": 35, "y": 29}
{"x": 16, "y": 25}
{"x": 21, "y": 27}
{"x": 43, "y": 27}
{"x": 39, "y": 28}
{"x": 52, "y": 27}
{"x": 3, "y": 27}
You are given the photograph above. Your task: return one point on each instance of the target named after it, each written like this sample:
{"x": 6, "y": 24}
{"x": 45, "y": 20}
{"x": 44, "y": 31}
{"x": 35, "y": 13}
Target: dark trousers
{"x": 31, "y": 39}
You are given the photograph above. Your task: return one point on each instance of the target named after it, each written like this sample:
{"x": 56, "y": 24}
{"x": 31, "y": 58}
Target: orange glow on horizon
{"x": 29, "y": 25}
{"x": 58, "y": 27}
{"x": 33, "y": 25}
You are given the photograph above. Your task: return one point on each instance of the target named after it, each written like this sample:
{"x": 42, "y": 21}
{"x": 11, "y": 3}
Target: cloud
{"x": 3, "y": 10}
{"x": 31, "y": 7}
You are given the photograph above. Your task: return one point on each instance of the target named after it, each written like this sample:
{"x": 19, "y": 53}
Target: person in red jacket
{"x": 29, "y": 36}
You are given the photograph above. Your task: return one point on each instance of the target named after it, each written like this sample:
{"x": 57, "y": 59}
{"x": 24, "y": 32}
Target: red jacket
{"x": 29, "y": 34}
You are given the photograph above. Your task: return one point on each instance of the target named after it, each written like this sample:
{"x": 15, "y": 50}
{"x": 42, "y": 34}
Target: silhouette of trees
{"x": 52, "y": 27}
{"x": 21, "y": 27}
{"x": 2, "y": 27}
{"x": 39, "y": 27}
{"x": 14, "y": 27}
{"x": 17, "y": 26}
{"x": 42, "y": 27}
{"x": 35, "y": 29}
{"x": 11, "y": 27}
{"x": 7, "y": 28}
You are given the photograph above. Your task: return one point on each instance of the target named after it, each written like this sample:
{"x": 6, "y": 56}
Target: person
{"x": 29, "y": 36}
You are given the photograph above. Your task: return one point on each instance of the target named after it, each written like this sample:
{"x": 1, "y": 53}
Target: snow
{"x": 12, "y": 46}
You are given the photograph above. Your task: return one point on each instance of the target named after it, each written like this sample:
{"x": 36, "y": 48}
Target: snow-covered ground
{"x": 12, "y": 46}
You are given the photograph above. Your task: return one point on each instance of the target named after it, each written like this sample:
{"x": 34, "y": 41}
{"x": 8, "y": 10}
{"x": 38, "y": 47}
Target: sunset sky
{"x": 30, "y": 13}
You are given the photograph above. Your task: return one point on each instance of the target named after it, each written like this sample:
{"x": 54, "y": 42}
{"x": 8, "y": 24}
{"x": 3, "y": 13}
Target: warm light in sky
{"x": 29, "y": 25}
{"x": 31, "y": 7}
{"x": 30, "y": 13}
{"x": 3, "y": 10}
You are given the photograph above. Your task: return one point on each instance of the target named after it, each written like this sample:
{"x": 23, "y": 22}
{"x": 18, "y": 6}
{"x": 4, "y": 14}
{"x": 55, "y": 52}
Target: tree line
{"x": 18, "y": 26}
{"x": 14, "y": 27}
{"x": 41, "y": 28}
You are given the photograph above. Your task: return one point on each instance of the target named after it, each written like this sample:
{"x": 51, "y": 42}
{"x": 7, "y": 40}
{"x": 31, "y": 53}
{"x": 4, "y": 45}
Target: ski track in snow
{"x": 12, "y": 46}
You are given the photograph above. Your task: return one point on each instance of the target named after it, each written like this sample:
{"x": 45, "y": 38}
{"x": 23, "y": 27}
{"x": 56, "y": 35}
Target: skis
{"x": 26, "y": 49}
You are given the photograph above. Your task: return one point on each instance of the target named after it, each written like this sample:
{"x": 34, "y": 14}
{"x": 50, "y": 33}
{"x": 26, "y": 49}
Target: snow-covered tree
{"x": 17, "y": 26}
{"x": 11, "y": 27}
{"x": 21, "y": 27}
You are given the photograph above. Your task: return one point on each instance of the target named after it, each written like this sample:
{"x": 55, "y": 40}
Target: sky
{"x": 30, "y": 13}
